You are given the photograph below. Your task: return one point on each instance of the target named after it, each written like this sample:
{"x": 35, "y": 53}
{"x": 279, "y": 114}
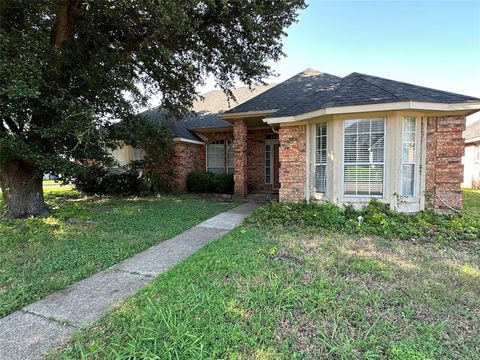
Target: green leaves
{"x": 57, "y": 96}
{"x": 375, "y": 219}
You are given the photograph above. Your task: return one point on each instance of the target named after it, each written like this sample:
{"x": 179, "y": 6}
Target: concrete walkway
{"x": 30, "y": 332}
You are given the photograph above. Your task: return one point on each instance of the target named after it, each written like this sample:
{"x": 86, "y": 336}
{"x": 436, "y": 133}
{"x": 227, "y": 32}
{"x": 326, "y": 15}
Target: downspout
{"x": 274, "y": 130}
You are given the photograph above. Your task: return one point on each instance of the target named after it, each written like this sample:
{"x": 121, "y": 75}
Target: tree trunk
{"x": 22, "y": 190}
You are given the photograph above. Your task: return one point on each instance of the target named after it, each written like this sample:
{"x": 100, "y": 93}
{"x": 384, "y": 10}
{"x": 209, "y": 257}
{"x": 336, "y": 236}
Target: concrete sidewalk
{"x": 28, "y": 333}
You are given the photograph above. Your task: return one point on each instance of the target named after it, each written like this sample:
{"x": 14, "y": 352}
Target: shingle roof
{"x": 361, "y": 89}
{"x": 307, "y": 91}
{"x": 204, "y": 114}
{"x": 289, "y": 92}
{"x": 205, "y": 121}
{"x": 216, "y": 101}
{"x": 472, "y": 131}
{"x": 178, "y": 128}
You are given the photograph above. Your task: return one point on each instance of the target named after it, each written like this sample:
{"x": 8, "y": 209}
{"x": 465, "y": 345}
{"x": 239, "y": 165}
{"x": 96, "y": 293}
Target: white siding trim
{"x": 403, "y": 105}
{"x": 180, "y": 139}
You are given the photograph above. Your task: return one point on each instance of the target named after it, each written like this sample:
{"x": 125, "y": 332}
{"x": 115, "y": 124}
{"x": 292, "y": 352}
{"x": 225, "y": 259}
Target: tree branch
{"x": 67, "y": 13}
{"x": 11, "y": 125}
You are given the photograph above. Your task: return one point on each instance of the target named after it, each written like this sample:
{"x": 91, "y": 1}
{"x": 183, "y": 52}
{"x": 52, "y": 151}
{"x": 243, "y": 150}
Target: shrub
{"x": 223, "y": 184}
{"x": 99, "y": 181}
{"x": 375, "y": 218}
{"x": 207, "y": 182}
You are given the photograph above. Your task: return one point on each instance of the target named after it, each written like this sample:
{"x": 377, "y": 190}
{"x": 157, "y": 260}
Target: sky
{"x": 430, "y": 43}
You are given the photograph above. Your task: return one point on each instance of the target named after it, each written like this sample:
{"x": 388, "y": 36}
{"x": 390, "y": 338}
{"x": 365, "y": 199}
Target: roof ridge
{"x": 316, "y": 92}
{"x": 329, "y": 94}
{"x": 378, "y": 86}
{"x": 410, "y": 84}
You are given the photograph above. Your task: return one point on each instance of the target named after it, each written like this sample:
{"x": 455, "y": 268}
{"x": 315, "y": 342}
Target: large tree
{"x": 68, "y": 68}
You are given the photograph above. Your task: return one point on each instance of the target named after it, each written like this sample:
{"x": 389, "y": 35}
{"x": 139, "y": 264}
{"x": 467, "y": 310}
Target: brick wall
{"x": 444, "y": 169}
{"x": 292, "y": 163}
{"x": 186, "y": 158}
{"x": 255, "y": 155}
{"x": 240, "y": 157}
{"x": 256, "y": 160}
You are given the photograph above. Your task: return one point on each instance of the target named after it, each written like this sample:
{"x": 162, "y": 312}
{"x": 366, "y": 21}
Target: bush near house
{"x": 207, "y": 182}
{"x": 374, "y": 219}
{"x": 100, "y": 181}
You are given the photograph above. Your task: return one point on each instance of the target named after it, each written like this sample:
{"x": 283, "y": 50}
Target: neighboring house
{"x": 471, "y": 160}
{"x": 346, "y": 140}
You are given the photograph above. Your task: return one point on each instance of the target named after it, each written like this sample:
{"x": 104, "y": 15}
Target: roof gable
{"x": 289, "y": 92}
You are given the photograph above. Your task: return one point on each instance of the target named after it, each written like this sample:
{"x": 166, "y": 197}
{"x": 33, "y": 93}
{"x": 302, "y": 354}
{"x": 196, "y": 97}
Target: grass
{"x": 84, "y": 236}
{"x": 299, "y": 293}
{"x": 471, "y": 199}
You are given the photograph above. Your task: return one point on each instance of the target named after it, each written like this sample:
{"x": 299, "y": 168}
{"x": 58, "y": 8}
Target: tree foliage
{"x": 69, "y": 68}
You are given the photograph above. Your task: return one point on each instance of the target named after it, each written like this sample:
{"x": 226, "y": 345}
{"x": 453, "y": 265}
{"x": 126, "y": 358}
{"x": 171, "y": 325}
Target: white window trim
{"x": 225, "y": 155}
{"x": 385, "y": 132}
{"x": 415, "y": 163}
{"x": 315, "y": 163}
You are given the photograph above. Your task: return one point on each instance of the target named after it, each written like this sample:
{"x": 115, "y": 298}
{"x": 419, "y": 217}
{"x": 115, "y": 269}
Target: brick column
{"x": 240, "y": 157}
{"x": 444, "y": 169}
{"x": 293, "y": 169}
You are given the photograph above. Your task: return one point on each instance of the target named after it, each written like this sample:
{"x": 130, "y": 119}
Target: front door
{"x": 276, "y": 166}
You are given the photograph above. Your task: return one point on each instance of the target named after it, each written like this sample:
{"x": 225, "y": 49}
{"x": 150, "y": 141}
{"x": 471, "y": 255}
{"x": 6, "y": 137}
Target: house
{"x": 471, "y": 160}
{"x": 319, "y": 137}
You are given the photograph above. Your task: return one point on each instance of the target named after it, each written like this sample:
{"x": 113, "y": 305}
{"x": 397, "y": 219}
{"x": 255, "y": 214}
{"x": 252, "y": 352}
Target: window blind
{"x": 321, "y": 157}
{"x": 408, "y": 156}
{"x": 363, "y": 157}
{"x": 216, "y": 157}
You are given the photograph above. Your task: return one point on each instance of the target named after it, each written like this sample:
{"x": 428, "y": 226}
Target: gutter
{"x": 403, "y": 105}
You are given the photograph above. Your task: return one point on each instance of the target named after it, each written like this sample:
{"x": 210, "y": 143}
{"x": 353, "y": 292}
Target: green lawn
{"x": 298, "y": 293}
{"x": 84, "y": 236}
{"x": 472, "y": 202}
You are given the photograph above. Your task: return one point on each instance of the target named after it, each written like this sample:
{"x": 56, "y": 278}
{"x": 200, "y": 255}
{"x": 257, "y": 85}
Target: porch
{"x": 250, "y": 151}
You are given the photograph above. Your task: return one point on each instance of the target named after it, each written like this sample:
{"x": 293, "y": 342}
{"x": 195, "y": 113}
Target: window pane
{"x": 408, "y": 153}
{"x": 363, "y": 155}
{"x": 138, "y": 154}
{"x": 408, "y": 172}
{"x": 321, "y": 178}
{"x": 350, "y": 180}
{"x": 408, "y": 156}
{"x": 216, "y": 157}
{"x": 268, "y": 177}
{"x": 321, "y": 158}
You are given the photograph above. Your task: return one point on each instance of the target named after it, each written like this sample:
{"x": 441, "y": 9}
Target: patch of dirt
{"x": 82, "y": 224}
{"x": 288, "y": 258}
{"x": 302, "y": 329}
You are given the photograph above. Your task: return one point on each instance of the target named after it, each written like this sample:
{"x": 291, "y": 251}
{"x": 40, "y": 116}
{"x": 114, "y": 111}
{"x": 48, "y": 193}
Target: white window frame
{"x": 316, "y": 162}
{"x": 365, "y": 163}
{"x": 228, "y": 162}
{"x": 268, "y": 159}
{"x": 476, "y": 153}
{"x": 138, "y": 154}
{"x": 403, "y": 162}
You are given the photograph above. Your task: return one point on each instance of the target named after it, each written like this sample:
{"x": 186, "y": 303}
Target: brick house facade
{"x": 317, "y": 137}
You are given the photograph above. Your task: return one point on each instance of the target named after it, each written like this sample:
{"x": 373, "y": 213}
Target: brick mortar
{"x": 292, "y": 163}
{"x": 444, "y": 171}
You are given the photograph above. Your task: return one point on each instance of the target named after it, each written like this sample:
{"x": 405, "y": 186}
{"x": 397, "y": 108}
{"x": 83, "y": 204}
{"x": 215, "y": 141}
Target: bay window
{"x": 364, "y": 157}
{"x": 408, "y": 156}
